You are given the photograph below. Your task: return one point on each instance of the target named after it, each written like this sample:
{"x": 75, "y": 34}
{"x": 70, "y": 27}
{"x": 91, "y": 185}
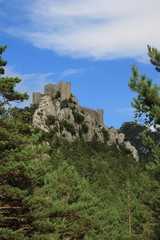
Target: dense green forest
{"x": 52, "y": 189}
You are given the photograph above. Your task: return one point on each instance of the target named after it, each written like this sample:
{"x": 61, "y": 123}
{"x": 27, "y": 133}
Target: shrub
{"x": 56, "y": 128}
{"x": 69, "y": 127}
{"x": 64, "y": 104}
{"x": 84, "y": 128}
{"x": 51, "y": 134}
{"x": 58, "y": 95}
{"x": 70, "y": 100}
{"x": 50, "y": 120}
{"x": 61, "y": 128}
{"x": 40, "y": 113}
{"x": 32, "y": 108}
{"x": 78, "y": 117}
{"x": 105, "y": 134}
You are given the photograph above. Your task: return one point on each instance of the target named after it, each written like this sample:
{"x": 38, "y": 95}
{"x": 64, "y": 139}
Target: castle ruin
{"x": 63, "y": 91}
{"x": 62, "y": 88}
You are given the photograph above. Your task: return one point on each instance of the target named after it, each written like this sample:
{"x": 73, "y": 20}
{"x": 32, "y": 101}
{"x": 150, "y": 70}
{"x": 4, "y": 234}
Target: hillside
{"x": 59, "y": 113}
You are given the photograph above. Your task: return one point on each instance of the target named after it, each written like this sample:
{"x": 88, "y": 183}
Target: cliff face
{"x": 67, "y": 119}
{"x": 71, "y": 121}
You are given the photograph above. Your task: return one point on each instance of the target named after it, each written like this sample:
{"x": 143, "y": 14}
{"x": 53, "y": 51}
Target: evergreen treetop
{"x": 7, "y": 85}
{"x": 147, "y": 102}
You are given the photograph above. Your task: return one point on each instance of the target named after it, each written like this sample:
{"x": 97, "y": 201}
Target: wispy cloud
{"x": 35, "y": 82}
{"x": 73, "y": 71}
{"x": 97, "y": 29}
{"x": 30, "y": 83}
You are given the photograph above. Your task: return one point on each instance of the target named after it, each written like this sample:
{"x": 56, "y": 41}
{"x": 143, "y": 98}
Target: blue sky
{"x": 91, "y": 43}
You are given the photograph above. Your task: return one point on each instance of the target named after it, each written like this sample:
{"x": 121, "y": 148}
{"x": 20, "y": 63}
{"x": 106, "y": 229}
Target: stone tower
{"x": 61, "y": 88}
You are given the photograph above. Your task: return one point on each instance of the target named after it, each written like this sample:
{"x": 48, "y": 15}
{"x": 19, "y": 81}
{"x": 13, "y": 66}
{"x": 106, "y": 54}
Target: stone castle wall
{"x": 36, "y": 97}
{"x": 64, "y": 88}
{"x": 100, "y": 115}
{"x": 49, "y": 89}
{"x": 95, "y": 114}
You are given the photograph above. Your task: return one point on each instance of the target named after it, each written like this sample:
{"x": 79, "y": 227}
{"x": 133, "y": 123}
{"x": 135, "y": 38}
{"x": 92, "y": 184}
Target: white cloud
{"x": 97, "y": 29}
{"x": 35, "y": 82}
{"x": 73, "y": 71}
{"x": 30, "y": 83}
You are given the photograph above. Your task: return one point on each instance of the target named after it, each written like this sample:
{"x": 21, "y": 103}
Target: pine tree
{"x": 65, "y": 208}
{"x": 19, "y": 169}
{"x": 147, "y": 103}
{"x": 7, "y": 85}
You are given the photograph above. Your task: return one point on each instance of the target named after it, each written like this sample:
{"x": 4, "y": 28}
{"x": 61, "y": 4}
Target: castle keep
{"x": 62, "y": 90}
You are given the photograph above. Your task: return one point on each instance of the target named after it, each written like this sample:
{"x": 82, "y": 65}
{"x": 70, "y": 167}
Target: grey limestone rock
{"x": 132, "y": 149}
{"x": 74, "y": 122}
{"x": 46, "y": 108}
{"x": 134, "y": 134}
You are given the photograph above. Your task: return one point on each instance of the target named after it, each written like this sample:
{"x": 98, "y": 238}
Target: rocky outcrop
{"x": 66, "y": 118}
{"x": 119, "y": 138}
{"x": 134, "y": 134}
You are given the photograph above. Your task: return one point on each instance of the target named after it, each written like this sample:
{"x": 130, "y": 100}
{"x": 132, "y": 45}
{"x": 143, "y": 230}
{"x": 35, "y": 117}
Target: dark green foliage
{"x": 2, "y": 62}
{"x": 20, "y": 171}
{"x": 30, "y": 110}
{"x": 69, "y": 127}
{"x": 154, "y": 55}
{"x": 7, "y": 85}
{"x": 25, "y": 114}
{"x": 60, "y": 127}
{"x": 135, "y": 134}
{"x": 65, "y": 207}
{"x": 67, "y": 102}
{"x": 58, "y": 95}
{"x": 84, "y": 128}
{"x": 64, "y": 104}
{"x": 105, "y": 134}
{"x": 147, "y": 103}
{"x": 70, "y": 100}
{"x": 79, "y": 118}
{"x": 50, "y": 120}
{"x": 84, "y": 191}
{"x": 120, "y": 182}
{"x": 48, "y": 136}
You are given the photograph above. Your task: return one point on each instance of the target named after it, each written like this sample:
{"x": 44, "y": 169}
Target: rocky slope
{"x": 67, "y": 119}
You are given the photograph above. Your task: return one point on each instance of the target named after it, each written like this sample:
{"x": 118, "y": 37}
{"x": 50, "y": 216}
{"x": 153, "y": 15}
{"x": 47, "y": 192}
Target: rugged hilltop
{"x": 59, "y": 112}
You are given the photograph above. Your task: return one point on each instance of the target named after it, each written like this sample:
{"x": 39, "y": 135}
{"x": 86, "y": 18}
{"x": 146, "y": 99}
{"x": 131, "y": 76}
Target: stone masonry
{"x": 95, "y": 114}
{"x": 82, "y": 122}
{"x": 36, "y": 97}
{"x": 63, "y": 89}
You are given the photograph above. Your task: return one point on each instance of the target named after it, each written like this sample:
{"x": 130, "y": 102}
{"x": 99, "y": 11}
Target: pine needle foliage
{"x": 147, "y": 102}
{"x": 20, "y": 171}
{"x": 82, "y": 191}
